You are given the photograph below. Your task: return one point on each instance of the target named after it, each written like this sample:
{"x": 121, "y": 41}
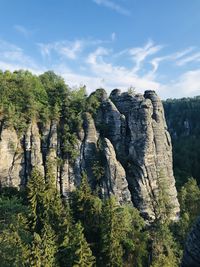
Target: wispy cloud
{"x": 13, "y": 57}
{"x": 72, "y": 49}
{"x": 140, "y": 54}
{"x": 113, "y": 36}
{"x": 186, "y": 85}
{"x": 192, "y": 58}
{"x": 176, "y": 57}
{"x": 116, "y": 75}
{"x": 22, "y": 30}
{"x": 94, "y": 64}
{"x": 65, "y": 48}
{"x": 112, "y": 5}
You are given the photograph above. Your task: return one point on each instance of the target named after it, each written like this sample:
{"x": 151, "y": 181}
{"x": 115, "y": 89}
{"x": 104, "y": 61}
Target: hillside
{"x": 88, "y": 180}
{"x": 183, "y": 119}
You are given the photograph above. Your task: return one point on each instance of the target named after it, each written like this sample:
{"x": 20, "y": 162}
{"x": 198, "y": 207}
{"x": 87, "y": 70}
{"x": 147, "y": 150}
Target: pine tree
{"x": 13, "y": 251}
{"x": 111, "y": 249}
{"x": 53, "y": 199}
{"x": 164, "y": 248}
{"x": 82, "y": 253}
{"x": 36, "y": 251}
{"x": 36, "y": 193}
{"x": 48, "y": 247}
{"x": 86, "y": 208}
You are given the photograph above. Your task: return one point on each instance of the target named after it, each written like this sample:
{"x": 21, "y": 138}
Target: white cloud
{"x": 186, "y": 85}
{"x": 13, "y": 57}
{"x": 97, "y": 68}
{"x": 98, "y": 53}
{"x": 71, "y": 49}
{"x": 155, "y": 62}
{"x": 139, "y": 54}
{"x": 112, "y": 5}
{"x": 117, "y": 76}
{"x": 66, "y": 49}
{"x": 113, "y": 36}
{"x": 22, "y": 30}
{"x": 192, "y": 58}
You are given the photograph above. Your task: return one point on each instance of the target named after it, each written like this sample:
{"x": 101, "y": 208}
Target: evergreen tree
{"x": 134, "y": 237}
{"x": 49, "y": 247}
{"x": 86, "y": 208}
{"x": 164, "y": 249}
{"x": 189, "y": 199}
{"x": 82, "y": 253}
{"x": 111, "y": 249}
{"x": 14, "y": 252}
{"x": 36, "y": 251}
{"x": 36, "y": 195}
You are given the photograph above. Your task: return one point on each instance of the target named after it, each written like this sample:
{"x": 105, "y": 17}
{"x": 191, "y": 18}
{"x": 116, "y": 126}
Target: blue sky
{"x": 147, "y": 44}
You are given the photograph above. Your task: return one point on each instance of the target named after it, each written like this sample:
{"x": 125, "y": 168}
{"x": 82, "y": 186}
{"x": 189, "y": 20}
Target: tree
{"x": 36, "y": 196}
{"x": 111, "y": 248}
{"x": 48, "y": 247}
{"x": 86, "y": 208}
{"x": 14, "y": 250}
{"x": 164, "y": 205}
{"x": 134, "y": 237}
{"x": 189, "y": 199}
{"x": 164, "y": 249}
{"x": 131, "y": 90}
{"x": 35, "y": 259}
{"x": 165, "y": 252}
{"x": 82, "y": 253}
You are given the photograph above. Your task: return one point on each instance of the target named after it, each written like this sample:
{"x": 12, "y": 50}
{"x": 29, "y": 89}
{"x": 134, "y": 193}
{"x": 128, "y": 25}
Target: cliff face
{"x": 130, "y": 138}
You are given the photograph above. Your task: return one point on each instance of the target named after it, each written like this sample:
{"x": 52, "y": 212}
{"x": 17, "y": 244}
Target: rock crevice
{"x": 136, "y": 148}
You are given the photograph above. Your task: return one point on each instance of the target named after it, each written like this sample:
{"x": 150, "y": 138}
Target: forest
{"x": 40, "y": 228}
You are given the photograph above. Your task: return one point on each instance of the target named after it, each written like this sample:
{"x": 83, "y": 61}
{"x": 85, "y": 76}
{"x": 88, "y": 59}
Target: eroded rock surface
{"x": 135, "y": 148}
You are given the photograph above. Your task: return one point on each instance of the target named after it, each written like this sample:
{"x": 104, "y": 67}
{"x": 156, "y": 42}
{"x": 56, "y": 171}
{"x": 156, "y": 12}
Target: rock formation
{"x": 191, "y": 257}
{"x": 130, "y": 134}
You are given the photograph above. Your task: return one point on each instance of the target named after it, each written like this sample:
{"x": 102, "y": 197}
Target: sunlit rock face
{"x": 135, "y": 125}
{"x": 128, "y": 135}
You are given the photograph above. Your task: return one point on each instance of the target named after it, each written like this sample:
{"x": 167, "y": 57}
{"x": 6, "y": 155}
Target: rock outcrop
{"x": 191, "y": 256}
{"x": 136, "y": 127}
{"x": 135, "y": 152}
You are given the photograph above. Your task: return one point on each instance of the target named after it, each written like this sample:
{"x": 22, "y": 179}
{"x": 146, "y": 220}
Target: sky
{"x": 145, "y": 44}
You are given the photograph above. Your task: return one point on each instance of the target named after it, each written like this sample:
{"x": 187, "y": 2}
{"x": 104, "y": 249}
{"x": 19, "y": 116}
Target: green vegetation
{"x": 183, "y": 116}
{"x": 39, "y": 229}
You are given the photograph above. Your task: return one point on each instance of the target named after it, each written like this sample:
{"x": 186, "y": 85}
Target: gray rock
{"x": 115, "y": 177}
{"x": 136, "y": 150}
{"x": 136, "y": 127}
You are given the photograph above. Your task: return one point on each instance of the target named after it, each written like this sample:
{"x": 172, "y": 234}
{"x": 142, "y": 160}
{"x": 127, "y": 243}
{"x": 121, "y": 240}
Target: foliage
{"x": 25, "y": 97}
{"x": 82, "y": 253}
{"x": 189, "y": 199}
{"x": 22, "y": 97}
{"x": 94, "y": 100}
{"x": 164, "y": 248}
{"x": 111, "y": 248}
{"x": 38, "y": 228}
{"x": 183, "y": 118}
{"x": 36, "y": 198}
{"x": 86, "y": 208}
